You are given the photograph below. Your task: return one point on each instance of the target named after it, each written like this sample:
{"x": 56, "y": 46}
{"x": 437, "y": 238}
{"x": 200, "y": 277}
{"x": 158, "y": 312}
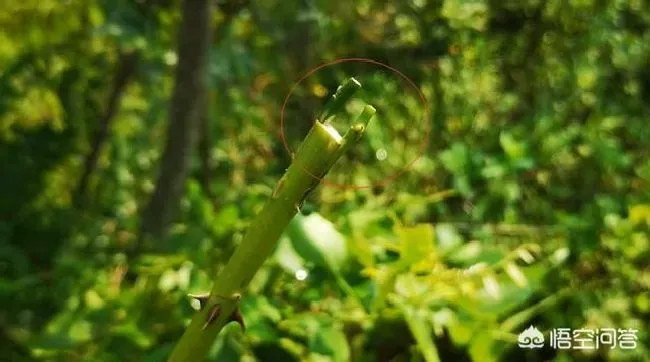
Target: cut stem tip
{"x": 366, "y": 115}
{"x": 340, "y": 97}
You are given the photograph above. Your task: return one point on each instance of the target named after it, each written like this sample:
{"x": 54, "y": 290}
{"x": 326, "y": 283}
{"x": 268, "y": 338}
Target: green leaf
{"x": 330, "y": 341}
{"x": 639, "y": 214}
{"x": 481, "y": 348}
{"x": 513, "y": 148}
{"x": 421, "y": 329}
{"x": 461, "y": 329}
{"x": 415, "y": 243}
{"x": 50, "y": 341}
{"x": 286, "y": 256}
{"x": 133, "y": 333}
{"x": 304, "y": 325}
{"x": 409, "y": 286}
{"x": 518, "y": 319}
{"x": 225, "y": 349}
{"x": 384, "y": 282}
{"x": 456, "y": 158}
{"x": 159, "y": 354}
{"x": 225, "y": 219}
{"x": 447, "y": 237}
{"x": 473, "y": 253}
{"x": 316, "y": 240}
{"x": 511, "y": 295}
{"x": 261, "y": 318}
{"x": 168, "y": 280}
{"x": 93, "y": 300}
{"x": 81, "y": 331}
{"x": 514, "y": 272}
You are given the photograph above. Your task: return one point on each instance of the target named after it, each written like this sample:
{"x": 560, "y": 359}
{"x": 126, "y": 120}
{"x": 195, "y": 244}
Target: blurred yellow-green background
{"x": 529, "y": 207}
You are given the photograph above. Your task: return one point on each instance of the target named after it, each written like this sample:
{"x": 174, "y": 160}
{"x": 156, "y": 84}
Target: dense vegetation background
{"x": 530, "y": 206}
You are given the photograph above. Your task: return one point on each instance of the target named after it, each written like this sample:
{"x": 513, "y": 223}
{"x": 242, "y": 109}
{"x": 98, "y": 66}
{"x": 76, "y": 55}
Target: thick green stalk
{"x": 315, "y": 156}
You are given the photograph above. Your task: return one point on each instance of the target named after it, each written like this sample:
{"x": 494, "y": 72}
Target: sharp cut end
{"x": 333, "y": 132}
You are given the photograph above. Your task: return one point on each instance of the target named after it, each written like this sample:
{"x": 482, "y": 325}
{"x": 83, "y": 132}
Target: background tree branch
{"x": 185, "y": 112}
{"x": 125, "y": 69}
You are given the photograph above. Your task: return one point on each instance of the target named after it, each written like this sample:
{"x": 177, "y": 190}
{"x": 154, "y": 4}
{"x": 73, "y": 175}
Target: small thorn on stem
{"x": 236, "y": 316}
{"x": 215, "y": 312}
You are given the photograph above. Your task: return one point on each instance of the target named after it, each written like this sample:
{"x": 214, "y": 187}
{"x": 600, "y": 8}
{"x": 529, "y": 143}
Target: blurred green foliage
{"x": 530, "y": 206}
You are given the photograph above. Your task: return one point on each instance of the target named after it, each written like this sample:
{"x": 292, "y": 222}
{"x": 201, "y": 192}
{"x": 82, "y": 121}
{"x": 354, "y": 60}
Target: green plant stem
{"x": 315, "y": 156}
{"x": 353, "y": 135}
{"x": 338, "y": 100}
